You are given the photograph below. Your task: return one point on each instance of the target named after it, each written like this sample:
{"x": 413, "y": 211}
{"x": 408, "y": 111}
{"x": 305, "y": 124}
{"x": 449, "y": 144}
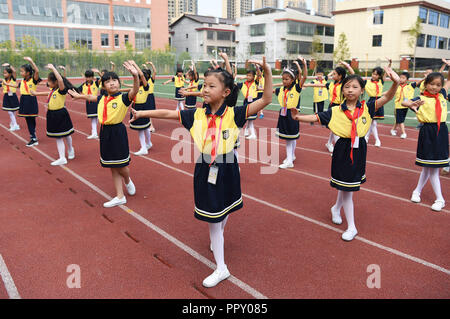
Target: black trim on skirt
{"x": 10, "y": 103}
{"x": 91, "y": 109}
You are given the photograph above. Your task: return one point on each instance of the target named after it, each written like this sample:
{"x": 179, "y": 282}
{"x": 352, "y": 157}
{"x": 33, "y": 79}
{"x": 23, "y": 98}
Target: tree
{"x": 341, "y": 51}
{"x": 414, "y": 34}
{"x": 316, "y": 50}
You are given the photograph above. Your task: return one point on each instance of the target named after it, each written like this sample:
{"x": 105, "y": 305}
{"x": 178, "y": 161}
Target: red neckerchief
{"x": 401, "y": 92}
{"x": 105, "y": 108}
{"x": 7, "y": 86}
{"x": 376, "y": 87}
{"x": 26, "y": 86}
{"x": 285, "y": 98}
{"x": 50, "y": 95}
{"x": 212, "y": 131}
{"x": 356, "y": 114}
{"x": 248, "y": 87}
{"x": 437, "y": 107}
{"x": 89, "y": 92}
{"x": 334, "y": 96}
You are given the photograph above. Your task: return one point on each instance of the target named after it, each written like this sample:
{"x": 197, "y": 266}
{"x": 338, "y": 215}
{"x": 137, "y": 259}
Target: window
{"x": 433, "y": 17}
{"x": 257, "y": 29}
{"x": 297, "y": 47}
{"x": 187, "y": 49}
{"x": 35, "y": 11}
{"x": 442, "y": 43}
{"x": 4, "y": 32}
{"x": 329, "y": 48}
{"x": 23, "y": 10}
{"x": 128, "y": 16}
{"x": 377, "y": 40}
{"x": 48, "y": 12}
{"x": 126, "y": 38}
{"x": 319, "y": 29}
{"x": 423, "y": 15}
{"x": 116, "y": 17}
{"x": 187, "y": 36}
{"x": 4, "y": 8}
{"x": 300, "y": 28}
{"x": 431, "y": 41}
{"x": 448, "y": 44}
{"x": 142, "y": 40}
{"x": 82, "y": 37}
{"x": 89, "y": 14}
{"x": 210, "y": 35}
{"x": 329, "y": 31}
{"x": 378, "y": 17}
{"x": 100, "y": 15}
{"x": 116, "y": 40}
{"x": 421, "y": 41}
{"x": 47, "y": 37}
{"x": 224, "y": 36}
{"x": 59, "y": 12}
{"x": 444, "y": 21}
{"x": 104, "y": 39}
{"x": 257, "y": 47}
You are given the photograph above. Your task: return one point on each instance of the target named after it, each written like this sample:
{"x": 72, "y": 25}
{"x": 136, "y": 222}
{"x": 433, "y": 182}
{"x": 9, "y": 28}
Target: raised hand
{"x": 130, "y": 67}
{"x": 392, "y": 75}
{"x": 416, "y": 104}
{"x": 62, "y": 67}
{"x": 5, "y": 64}
{"x": 27, "y": 58}
{"x": 134, "y": 115}
{"x": 50, "y": 66}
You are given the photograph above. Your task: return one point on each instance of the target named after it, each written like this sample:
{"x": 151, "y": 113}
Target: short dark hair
{"x": 341, "y": 71}
{"x": 89, "y": 74}
{"x": 67, "y": 85}
{"x": 433, "y": 76}
{"x": 349, "y": 78}
{"x": 252, "y": 72}
{"x": 319, "y": 71}
{"x": 108, "y": 75}
{"x": 406, "y": 74}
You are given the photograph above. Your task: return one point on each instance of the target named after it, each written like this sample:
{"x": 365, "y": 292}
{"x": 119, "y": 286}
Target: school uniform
{"x": 249, "y": 91}
{"x": 422, "y": 86}
{"x": 28, "y": 105}
{"x": 191, "y": 101}
{"x": 432, "y": 144}
{"x": 214, "y": 201}
{"x": 114, "y": 150}
{"x": 287, "y": 127}
{"x": 260, "y": 87}
{"x": 320, "y": 96}
{"x": 151, "y": 104}
{"x": 10, "y": 100}
{"x": 140, "y": 104}
{"x": 348, "y": 166}
{"x": 179, "y": 83}
{"x": 59, "y": 123}
{"x": 404, "y": 92}
{"x": 334, "y": 93}
{"x": 300, "y": 97}
{"x": 90, "y": 89}
{"x": 374, "y": 90}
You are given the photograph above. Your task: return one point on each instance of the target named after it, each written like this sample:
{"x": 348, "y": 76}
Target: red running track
{"x": 282, "y": 244}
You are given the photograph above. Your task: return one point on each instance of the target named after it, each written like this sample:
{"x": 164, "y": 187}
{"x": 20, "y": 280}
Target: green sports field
{"x": 168, "y": 91}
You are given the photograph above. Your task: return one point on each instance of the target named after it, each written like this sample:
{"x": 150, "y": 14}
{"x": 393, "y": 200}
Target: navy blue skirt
{"x": 214, "y": 202}
{"x": 379, "y": 114}
{"x": 114, "y": 150}
{"x": 251, "y": 117}
{"x": 178, "y": 96}
{"x": 191, "y": 102}
{"x": 287, "y": 127}
{"x": 345, "y": 175}
{"x": 151, "y": 104}
{"x": 143, "y": 122}
{"x": 91, "y": 109}
{"x": 59, "y": 123}
{"x": 400, "y": 115}
{"x": 432, "y": 148}
{"x": 28, "y": 106}
{"x": 10, "y": 102}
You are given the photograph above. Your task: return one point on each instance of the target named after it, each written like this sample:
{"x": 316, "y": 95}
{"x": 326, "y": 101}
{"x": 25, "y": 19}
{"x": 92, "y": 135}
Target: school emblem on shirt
{"x": 140, "y": 91}
{"x": 54, "y": 96}
{"x": 225, "y": 134}
{"x": 114, "y": 105}
{"x": 364, "y": 120}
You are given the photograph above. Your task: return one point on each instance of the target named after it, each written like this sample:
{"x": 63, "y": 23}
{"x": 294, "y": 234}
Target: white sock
{"x": 436, "y": 183}
{"x": 181, "y": 104}
{"x": 424, "y": 175}
{"x": 12, "y": 118}
{"x": 69, "y": 142}
{"x": 236, "y": 154}
{"x": 293, "y": 148}
{"x": 148, "y": 136}
{"x": 217, "y": 241}
{"x": 289, "y": 152}
{"x": 251, "y": 127}
{"x": 142, "y": 140}
{"x": 61, "y": 147}
{"x": 348, "y": 209}
{"x": 94, "y": 122}
{"x": 339, "y": 201}
{"x": 374, "y": 130}
{"x": 223, "y": 223}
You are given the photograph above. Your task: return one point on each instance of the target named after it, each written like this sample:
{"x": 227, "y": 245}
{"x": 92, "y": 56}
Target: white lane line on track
{"x": 239, "y": 283}
{"x": 11, "y": 288}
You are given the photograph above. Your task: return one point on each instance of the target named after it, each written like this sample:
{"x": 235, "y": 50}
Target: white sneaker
{"x": 294, "y": 158}
{"x": 349, "y": 234}
{"x": 92, "y": 136}
{"x": 378, "y": 143}
{"x": 415, "y": 197}
{"x": 336, "y": 217}
{"x": 366, "y": 138}
{"x": 149, "y": 146}
{"x": 393, "y": 132}
{"x": 251, "y": 137}
{"x": 142, "y": 151}
{"x": 286, "y": 165}
{"x": 152, "y": 129}
{"x": 210, "y": 247}
{"x": 438, "y": 205}
{"x": 115, "y": 202}
{"x": 71, "y": 155}
{"x": 60, "y": 161}
{"x": 131, "y": 189}
{"x": 330, "y": 147}
{"x": 403, "y": 135}
{"x": 14, "y": 128}
{"x": 216, "y": 277}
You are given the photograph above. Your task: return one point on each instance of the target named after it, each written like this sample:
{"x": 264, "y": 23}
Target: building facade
{"x": 178, "y": 7}
{"x": 97, "y": 24}
{"x": 203, "y": 37}
{"x": 283, "y": 34}
{"x": 232, "y": 9}
{"x": 324, "y": 7}
{"x": 259, "y": 4}
{"x": 374, "y": 33}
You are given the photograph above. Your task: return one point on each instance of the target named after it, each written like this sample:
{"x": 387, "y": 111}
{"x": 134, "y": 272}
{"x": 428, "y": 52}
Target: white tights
{"x": 290, "y": 150}
{"x": 217, "y": 241}
{"x": 12, "y": 117}
{"x": 94, "y": 121}
{"x": 432, "y": 174}
{"x": 61, "y": 147}
{"x": 373, "y": 130}
{"x": 345, "y": 200}
{"x": 180, "y": 105}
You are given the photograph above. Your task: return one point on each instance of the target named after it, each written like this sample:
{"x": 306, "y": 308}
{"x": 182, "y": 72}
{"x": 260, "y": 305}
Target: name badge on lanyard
{"x": 213, "y": 172}
{"x": 356, "y": 142}
{"x": 320, "y": 93}
{"x": 283, "y": 111}
{"x": 250, "y": 99}
{"x": 10, "y": 93}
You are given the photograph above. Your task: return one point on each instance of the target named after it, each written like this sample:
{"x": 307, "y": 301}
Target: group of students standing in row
{"x": 215, "y": 129}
